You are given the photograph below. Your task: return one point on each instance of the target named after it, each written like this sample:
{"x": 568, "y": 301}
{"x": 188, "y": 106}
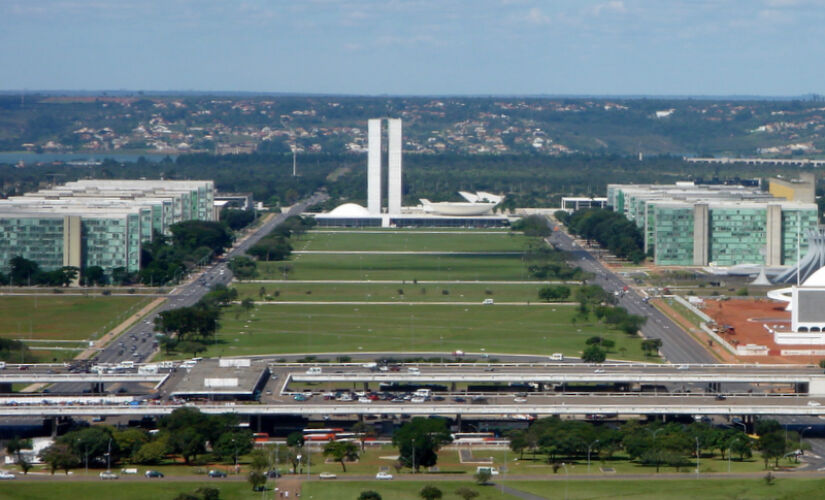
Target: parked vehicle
{"x": 385, "y": 476}
{"x": 327, "y": 475}
{"x": 153, "y": 473}
{"x": 216, "y": 473}
{"x": 108, "y": 475}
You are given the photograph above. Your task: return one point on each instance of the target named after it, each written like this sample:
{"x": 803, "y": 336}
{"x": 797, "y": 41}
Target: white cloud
{"x": 613, "y": 6}
{"x": 537, "y": 17}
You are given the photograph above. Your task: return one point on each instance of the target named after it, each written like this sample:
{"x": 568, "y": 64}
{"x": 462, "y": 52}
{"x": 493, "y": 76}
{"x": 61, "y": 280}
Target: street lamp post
{"x": 413, "y": 455}
{"x": 697, "y": 456}
{"x": 589, "y": 447}
{"x": 801, "y": 436}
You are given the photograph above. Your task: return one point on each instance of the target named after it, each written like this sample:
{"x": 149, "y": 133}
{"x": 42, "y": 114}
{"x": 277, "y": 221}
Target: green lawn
{"x": 296, "y": 328}
{"x": 679, "y": 489}
{"x": 398, "y": 267}
{"x": 65, "y": 317}
{"x": 454, "y": 241}
{"x": 160, "y": 489}
{"x": 394, "y": 490}
{"x": 335, "y": 292}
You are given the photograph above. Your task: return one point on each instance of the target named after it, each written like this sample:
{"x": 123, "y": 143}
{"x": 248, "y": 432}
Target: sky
{"x": 417, "y": 47}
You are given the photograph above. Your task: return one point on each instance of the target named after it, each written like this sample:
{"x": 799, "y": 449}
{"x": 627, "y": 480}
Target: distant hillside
{"x": 432, "y": 125}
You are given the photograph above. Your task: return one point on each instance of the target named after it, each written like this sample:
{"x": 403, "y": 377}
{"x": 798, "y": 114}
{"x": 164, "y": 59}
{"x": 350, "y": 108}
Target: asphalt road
{"x": 677, "y": 345}
{"x": 136, "y": 343}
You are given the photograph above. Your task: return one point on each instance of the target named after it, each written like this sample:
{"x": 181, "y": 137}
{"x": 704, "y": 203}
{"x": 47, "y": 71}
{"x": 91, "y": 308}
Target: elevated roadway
{"x": 625, "y": 404}
{"x": 561, "y": 373}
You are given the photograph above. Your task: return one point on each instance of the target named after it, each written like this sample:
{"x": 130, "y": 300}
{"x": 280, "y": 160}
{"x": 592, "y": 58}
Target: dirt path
{"x": 114, "y": 332}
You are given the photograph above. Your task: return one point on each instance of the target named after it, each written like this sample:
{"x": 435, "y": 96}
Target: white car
{"x": 364, "y": 400}
{"x": 520, "y": 400}
{"x": 327, "y": 475}
{"x": 108, "y": 475}
{"x": 383, "y": 476}
{"x": 813, "y": 403}
{"x": 418, "y": 399}
{"x": 7, "y": 475}
{"x": 414, "y": 370}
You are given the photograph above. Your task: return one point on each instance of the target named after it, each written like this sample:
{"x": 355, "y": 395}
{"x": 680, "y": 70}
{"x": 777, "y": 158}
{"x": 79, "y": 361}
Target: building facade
{"x": 97, "y": 222}
{"x": 689, "y": 225}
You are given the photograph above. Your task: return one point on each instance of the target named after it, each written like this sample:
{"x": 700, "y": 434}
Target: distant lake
{"x": 31, "y": 158}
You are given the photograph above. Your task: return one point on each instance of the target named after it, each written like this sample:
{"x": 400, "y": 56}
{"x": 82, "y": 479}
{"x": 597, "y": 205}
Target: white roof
{"x": 349, "y": 210}
{"x": 816, "y": 279}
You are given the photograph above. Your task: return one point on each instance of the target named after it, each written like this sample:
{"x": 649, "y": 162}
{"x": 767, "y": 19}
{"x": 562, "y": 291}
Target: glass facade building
{"x": 696, "y": 225}
{"x": 97, "y": 222}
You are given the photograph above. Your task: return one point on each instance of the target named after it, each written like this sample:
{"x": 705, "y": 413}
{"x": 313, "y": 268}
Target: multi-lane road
{"x": 677, "y": 345}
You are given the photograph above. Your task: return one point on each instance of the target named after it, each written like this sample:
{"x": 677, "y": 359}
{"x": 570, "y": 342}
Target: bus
{"x": 321, "y": 434}
{"x": 472, "y": 437}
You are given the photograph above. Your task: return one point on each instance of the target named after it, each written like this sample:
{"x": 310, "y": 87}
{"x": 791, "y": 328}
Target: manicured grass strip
{"x": 64, "y": 317}
{"x": 464, "y": 241}
{"x": 398, "y": 267}
{"x": 335, "y": 292}
{"x": 395, "y": 490}
{"x": 160, "y": 489}
{"x": 675, "y": 489}
{"x": 296, "y": 328}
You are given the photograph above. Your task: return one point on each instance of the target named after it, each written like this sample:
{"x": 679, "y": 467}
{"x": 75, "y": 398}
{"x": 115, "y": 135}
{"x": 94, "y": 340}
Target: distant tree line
{"x": 277, "y": 245}
{"x": 610, "y": 229}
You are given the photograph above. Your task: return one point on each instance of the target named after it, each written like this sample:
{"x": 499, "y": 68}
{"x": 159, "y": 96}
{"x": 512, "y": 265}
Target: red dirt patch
{"x": 748, "y": 319}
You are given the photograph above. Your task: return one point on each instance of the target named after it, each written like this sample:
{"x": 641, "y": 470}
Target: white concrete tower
{"x": 374, "y": 166}
{"x": 394, "y": 175}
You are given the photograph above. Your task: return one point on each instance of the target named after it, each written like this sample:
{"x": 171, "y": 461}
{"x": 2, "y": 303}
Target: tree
{"x": 93, "y": 275}
{"x": 257, "y": 479}
{"x": 243, "y": 267}
{"x": 187, "y": 346}
{"x": 233, "y": 444}
{"x": 555, "y": 292}
{"x": 193, "y": 234}
{"x": 362, "y": 431}
{"x": 22, "y": 270}
{"x": 430, "y": 492}
{"x": 594, "y": 354}
{"x": 466, "y": 493}
{"x": 91, "y": 442}
{"x": 369, "y": 495}
{"x": 651, "y": 346}
{"x": 419, "y": 440}
{"x": 247, "y": 304}
{"x": 130, "y": 440}
{"x": 482, "y": 477}
{"x": 341, "y": 451}
{"x": 60, "y": 456}
{"x": 772, "y": 446}
{"x": 15, "y": 446}
{"x": 151, "y": 453}
{"x": 518, "y": 442}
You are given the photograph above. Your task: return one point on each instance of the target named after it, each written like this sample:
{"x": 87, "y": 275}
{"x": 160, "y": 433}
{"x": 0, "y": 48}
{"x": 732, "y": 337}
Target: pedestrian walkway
{"x": 520, "y": 494}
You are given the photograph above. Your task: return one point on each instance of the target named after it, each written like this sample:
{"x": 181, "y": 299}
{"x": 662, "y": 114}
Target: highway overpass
{"x": 623, "y": 404}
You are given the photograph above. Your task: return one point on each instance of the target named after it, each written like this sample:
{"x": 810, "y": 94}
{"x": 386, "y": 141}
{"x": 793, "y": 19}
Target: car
{"x": 273, "y": 474}
{"x": 385, "y": 476}
{"x": 364, "y": 400}
{"x": 299, "y": 397}
{"x": 216, "y": 473}
{"x": 598, "y": 370}
{"x": 7, "y": 475}
{"x": 487, "y": 302}
{"x": 814, "y": 403}
{"x": 414, "y": 370}
{"x": 327, "y": 475}
{"x": 108, "y": 475}
{"x": 489, "y": 368}
{"x": 519, "y": 400}
{"x": 153, "y": 473}
{"x": 460, "y": 400}
{"x": 720, "y": 397}
{"x": 683, "y": 367}
{"x": 418, "y": 399}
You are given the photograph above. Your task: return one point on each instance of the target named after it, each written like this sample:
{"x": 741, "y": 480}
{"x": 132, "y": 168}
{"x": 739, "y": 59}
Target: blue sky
{"x": 655, "y": 47}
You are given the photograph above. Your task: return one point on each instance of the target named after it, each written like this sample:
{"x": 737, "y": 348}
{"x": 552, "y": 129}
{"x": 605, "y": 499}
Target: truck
{"x": 557, "y": 356}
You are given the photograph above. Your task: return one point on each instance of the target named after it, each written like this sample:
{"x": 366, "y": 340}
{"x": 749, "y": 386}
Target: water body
{"x": 32, "y": 158}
